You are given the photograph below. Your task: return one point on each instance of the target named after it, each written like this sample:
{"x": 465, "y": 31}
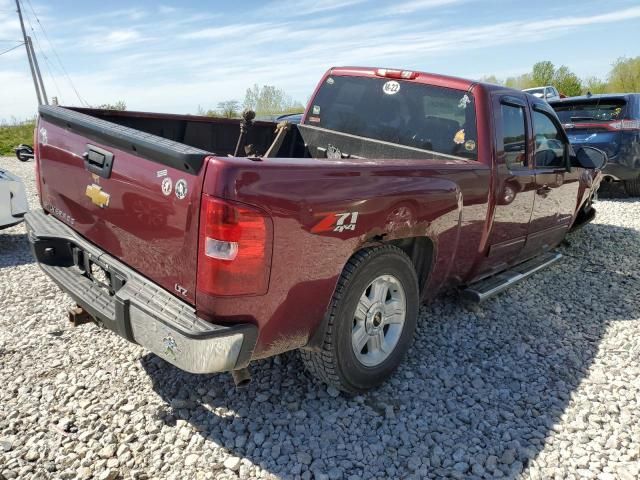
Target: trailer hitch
{"x": 79, "y": 316}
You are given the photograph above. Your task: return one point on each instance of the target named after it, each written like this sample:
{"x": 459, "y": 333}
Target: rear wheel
{"x": 371, "y": 323}
{"x": 632, "y": 187}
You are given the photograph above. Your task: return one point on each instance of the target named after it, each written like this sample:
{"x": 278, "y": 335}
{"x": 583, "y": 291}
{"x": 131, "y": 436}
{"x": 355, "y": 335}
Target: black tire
{"x": 632, "y": 187}
{"x": 21, "y": 154}
{"x": 335, "y": 363}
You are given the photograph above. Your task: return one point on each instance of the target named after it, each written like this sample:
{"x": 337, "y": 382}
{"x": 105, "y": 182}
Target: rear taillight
{"x": 625, "y": 125}
{"x": 402, "y": 74}
{"x": 36, "y": 158}
{"x": 234, "y": 248}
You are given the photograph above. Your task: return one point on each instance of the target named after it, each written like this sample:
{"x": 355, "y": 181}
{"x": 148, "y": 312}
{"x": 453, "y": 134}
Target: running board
{"x": 487, "y": 288}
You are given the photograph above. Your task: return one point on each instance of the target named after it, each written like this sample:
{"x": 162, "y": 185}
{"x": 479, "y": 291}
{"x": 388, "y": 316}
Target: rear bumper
{"x": 132, "y": 306}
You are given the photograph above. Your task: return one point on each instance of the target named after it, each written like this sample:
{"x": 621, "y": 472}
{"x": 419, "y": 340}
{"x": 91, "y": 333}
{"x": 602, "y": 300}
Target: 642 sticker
{"x": 336, "y": 222}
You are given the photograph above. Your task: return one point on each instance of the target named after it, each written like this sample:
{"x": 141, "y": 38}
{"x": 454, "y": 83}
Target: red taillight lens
{"x": 234, "y": 249}
{"x": 402, "y": 74}
{"x": 36, "y": 158}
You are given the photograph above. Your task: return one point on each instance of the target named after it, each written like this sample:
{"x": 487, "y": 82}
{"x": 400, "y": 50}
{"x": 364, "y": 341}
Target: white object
{"x": 547, "y": 93}
{"x": 13, "y": 200}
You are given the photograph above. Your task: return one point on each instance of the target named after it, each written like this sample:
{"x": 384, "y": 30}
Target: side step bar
{"x": 487, "y": 288}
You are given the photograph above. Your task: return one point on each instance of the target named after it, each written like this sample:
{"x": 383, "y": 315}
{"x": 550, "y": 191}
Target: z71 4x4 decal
{"x": 336, "y": 222}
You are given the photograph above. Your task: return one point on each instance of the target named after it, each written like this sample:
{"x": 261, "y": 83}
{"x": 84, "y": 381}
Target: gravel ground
{"x": 540, "y": 382}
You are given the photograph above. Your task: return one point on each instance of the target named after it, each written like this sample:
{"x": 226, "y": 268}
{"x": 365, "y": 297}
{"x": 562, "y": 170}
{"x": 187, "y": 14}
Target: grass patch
{"x": 13, "y": 135}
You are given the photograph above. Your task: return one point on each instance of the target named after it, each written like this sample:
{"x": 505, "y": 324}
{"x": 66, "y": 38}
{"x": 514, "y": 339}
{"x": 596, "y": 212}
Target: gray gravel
{"x": 541, "y": 382}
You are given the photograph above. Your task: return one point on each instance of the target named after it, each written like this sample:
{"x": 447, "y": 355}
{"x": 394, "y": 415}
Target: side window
{"x": 549, "y": 142}
{"x": 514, "y": 137}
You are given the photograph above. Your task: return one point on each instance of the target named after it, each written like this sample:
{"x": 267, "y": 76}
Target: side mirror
{"x": 591, "y": 158}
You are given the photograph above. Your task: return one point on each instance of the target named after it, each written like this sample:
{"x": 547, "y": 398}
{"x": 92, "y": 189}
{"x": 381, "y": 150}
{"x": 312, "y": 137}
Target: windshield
{"x": 593, "y": 110}
{"x": 432, "y": 118}
{"x": 535, "y": 91}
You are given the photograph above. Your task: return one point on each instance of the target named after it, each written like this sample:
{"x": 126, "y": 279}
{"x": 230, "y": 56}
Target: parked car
{"x": 290, "y": 117}
{"x": 610, "y": 122}
{"x": 547, "y": 93}
{"x": 395, "y": 185}
{"x": 279, "y": 117}
{"x": 13, "y": 200}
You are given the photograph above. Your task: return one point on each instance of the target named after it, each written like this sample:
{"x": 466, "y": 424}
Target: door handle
{"x": 98, "y": 160}
{"x": 543, "y": 191}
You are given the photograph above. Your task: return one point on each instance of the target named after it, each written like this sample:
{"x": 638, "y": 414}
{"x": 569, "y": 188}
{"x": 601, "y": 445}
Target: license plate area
{"x": 100, "y": 277}
{"x": 98, "y": 272}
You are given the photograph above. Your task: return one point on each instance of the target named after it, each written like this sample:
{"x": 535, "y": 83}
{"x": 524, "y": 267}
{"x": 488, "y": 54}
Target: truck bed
{"x": 114, "y": 176}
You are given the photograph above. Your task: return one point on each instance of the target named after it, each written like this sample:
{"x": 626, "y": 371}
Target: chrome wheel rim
{"x": 378, "y": 320}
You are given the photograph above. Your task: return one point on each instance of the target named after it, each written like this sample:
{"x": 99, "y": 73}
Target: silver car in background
{"x": 547, "y": 93}
{"x": 13, "y": 200}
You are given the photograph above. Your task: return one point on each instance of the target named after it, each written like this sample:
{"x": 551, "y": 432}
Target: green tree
{"x": 566, "y": 82}
{"x": 625, "y": 75}
{"x": 520, "y": 82}
{"x": 543, "y": 73}
{"x": 269, "y": 100}
{"x": 229, "y": 109}
{"x": 594, "y": 85}
{"x": 206, "y": 113}
{"x": 119, "y": 105}
{"x": 491, "y": 79}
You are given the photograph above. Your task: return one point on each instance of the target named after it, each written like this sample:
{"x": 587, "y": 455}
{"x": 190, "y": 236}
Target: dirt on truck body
{"x": 214, "y": 242}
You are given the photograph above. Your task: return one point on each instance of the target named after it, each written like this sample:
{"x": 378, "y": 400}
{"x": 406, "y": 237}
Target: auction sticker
{"x": 167, "y": 186}
{"x": 181, "y": 189}
{"x": 391, "y": 87}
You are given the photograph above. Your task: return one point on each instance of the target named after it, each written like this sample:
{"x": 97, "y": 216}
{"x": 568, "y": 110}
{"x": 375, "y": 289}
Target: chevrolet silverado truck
{"x": 216, "y": 242}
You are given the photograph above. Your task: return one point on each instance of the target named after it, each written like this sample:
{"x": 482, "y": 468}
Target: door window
{"x": 550, "y": 145}
{"x": 514, "y": 137}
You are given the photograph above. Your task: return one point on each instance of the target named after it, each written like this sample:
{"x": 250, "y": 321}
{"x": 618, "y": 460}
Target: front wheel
{"x": 371, "y": 322}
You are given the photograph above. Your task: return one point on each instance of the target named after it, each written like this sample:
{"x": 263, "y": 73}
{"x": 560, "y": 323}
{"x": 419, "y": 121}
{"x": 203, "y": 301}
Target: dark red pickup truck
{"x": 324, "y": 236}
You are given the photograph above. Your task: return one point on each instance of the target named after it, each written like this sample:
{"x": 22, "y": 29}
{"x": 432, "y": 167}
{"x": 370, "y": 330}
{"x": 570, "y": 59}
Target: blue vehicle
{"x": 610, "y": 122}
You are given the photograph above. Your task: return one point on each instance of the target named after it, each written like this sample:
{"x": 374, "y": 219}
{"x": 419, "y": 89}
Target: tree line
{"x": 624, "y": 77}
{"x": 264, "y": 100}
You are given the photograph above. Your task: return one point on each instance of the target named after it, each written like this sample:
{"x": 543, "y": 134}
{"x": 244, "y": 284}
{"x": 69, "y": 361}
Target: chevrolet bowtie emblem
{"x": 97, "y": 196}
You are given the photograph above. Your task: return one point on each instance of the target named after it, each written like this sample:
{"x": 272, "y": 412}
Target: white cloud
{"x": 166, "y": 9}
{"x": 192, "y": 58}
{"x": 412, "y": 6}
{"x": 102, "y": 41}
{"x": 294, "y": 8}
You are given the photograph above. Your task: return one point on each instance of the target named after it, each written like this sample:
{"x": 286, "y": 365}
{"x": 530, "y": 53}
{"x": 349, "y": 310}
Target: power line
{"x": 12, "y": 48}
{"x": 82, "y": 100}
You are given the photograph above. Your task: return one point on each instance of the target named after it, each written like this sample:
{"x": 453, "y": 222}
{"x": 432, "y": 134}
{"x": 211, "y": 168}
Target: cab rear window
{"x": 422, "y": 116}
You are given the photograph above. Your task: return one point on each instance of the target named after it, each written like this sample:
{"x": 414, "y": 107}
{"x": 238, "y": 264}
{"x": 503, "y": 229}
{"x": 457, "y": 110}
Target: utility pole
{"x": 35, "y": 64}
{"x": 26, "y": 44}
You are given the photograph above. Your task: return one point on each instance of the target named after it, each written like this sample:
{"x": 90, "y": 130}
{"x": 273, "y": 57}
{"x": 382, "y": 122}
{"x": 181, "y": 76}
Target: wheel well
{"x": 420, "y": 251}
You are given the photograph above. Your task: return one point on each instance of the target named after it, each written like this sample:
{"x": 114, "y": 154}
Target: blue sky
{"x": 174, "y": 56}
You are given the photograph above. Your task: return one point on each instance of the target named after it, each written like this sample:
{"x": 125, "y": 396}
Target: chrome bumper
{"x": 134, "y": 307}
